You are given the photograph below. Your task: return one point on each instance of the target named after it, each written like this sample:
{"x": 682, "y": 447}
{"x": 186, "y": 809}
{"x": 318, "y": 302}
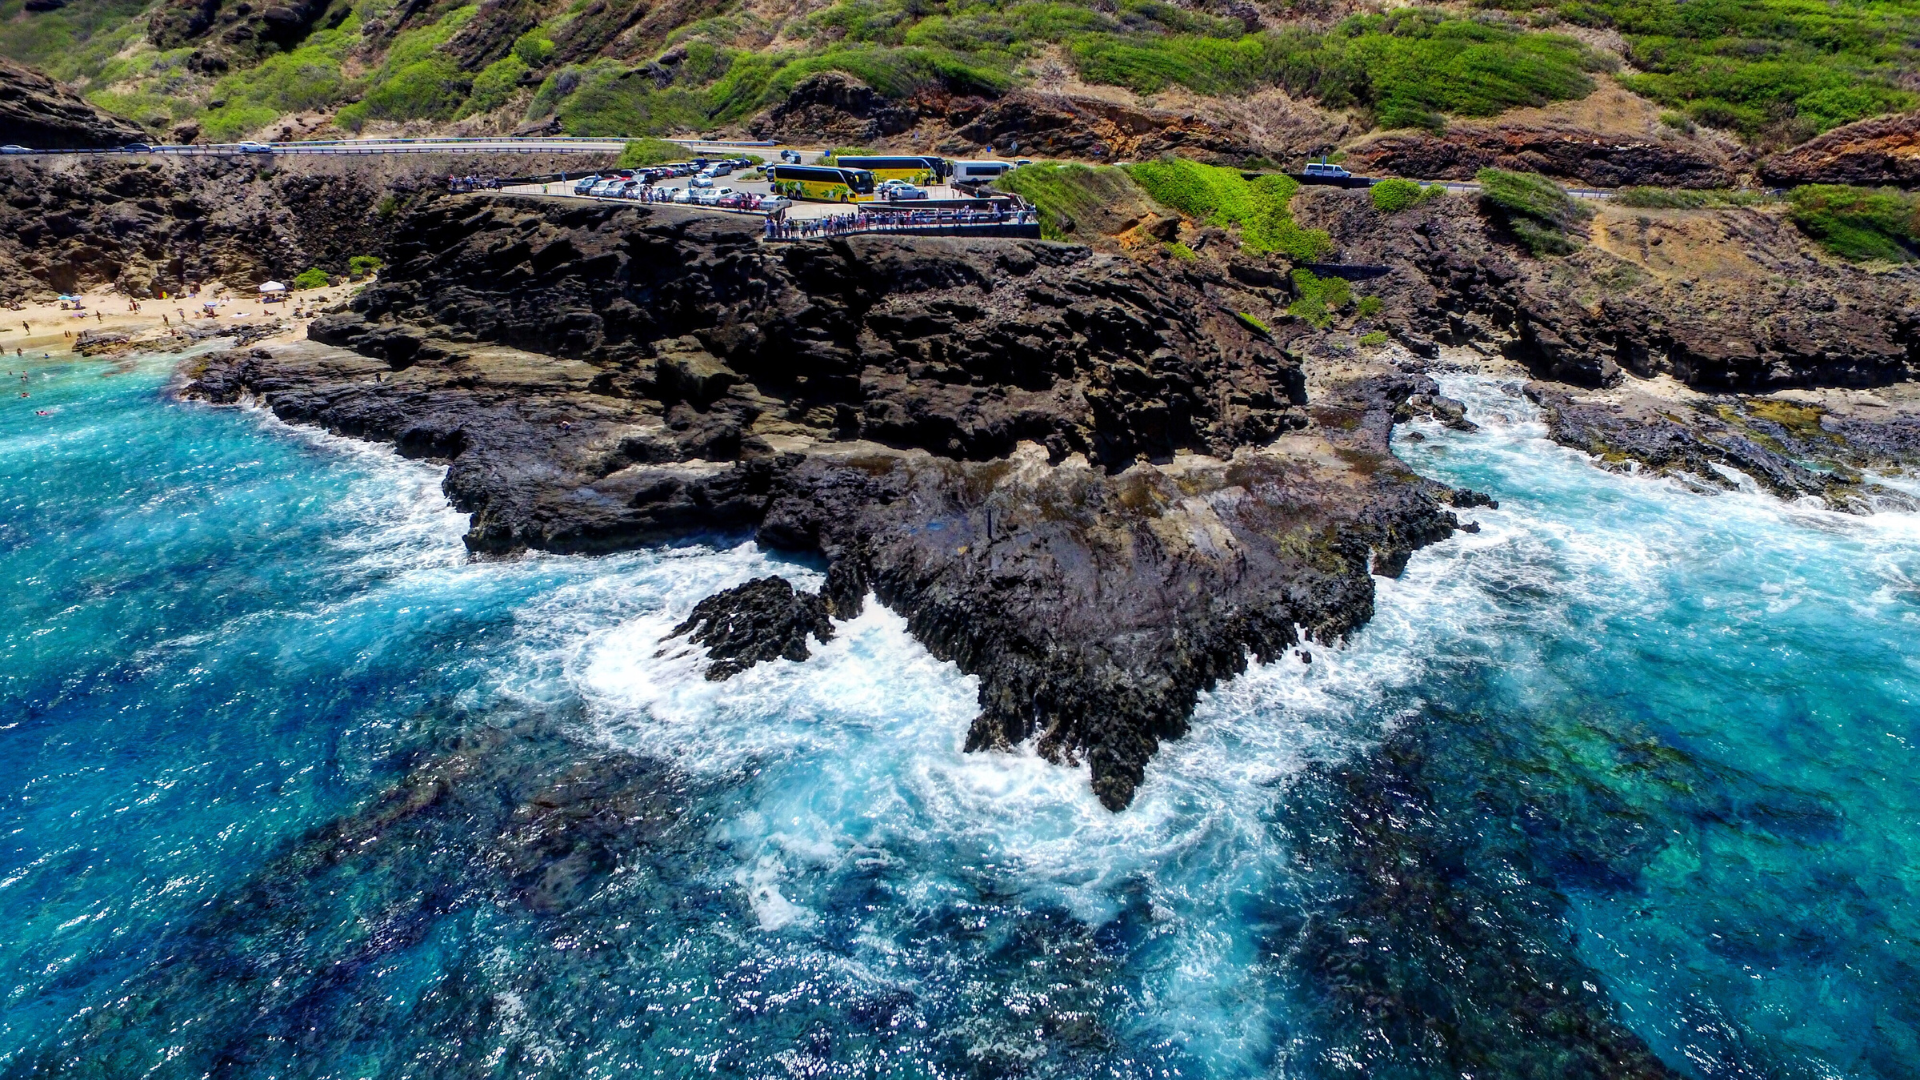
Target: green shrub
{"x": 1319, "y": 299}
{"x": 1070, "y": 196}
{"x": 641, "y": 152}
{"x": 312, "y": 278}
{"x": 1536, "y": 210}
{"x": 1373, "y": 339}
{"x": 1253, "y": 323}
{"x": 1658, "y": 198}
{"x": 495, "y": 85}
{"x": 1181, "y": 251}
{"x": 533, "y": 48}
{"x": 1859, "y": 223}
{"x": 362, "y": 265}
{"x": 1220, "y": 196}
{"x": 1395, "y": 195}
{"x": 1369, "y": 306}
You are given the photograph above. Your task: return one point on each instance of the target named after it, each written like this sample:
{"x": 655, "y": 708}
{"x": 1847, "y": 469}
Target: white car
{"x": 710, "y": 198}
{"x": 1321, "y": 168}
{"x": 704, "y": 180}
{"x": 11, "y": 148}
{"x": 902, "y": 191}
{"x": 255, "y": 148}
{"x": 605, "y": 187}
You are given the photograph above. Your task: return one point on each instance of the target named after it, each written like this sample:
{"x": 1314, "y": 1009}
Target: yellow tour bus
{"x": 914, "y": 170}
{"x": 821, "y": 183}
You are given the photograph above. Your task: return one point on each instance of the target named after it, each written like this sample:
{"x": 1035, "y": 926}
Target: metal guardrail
{"x": 562, "y": 144}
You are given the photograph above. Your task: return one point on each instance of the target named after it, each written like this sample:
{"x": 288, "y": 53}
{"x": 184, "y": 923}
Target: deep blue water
{"x": 295, "y": 788}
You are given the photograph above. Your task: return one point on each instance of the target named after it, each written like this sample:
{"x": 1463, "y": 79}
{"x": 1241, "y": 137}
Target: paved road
{"x": 555, "y": 145}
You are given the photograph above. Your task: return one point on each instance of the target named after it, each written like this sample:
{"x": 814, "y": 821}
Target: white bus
{"x": 979, "y": 172}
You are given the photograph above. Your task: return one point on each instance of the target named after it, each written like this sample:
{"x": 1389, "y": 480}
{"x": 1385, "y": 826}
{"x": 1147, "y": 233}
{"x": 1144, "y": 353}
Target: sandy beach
{"x": 43, "y": 330}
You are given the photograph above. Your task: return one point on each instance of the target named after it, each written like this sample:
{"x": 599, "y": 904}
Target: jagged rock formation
{"x": 144, "y": 225}
{"x": 1076, "y": 477}
{"x": 1884, "y": 151}
{"x": 38, "y": 113}
{"x": 1583, "y": 157}
{"x": 1720, "y": 299}
{"x": 765, "y": 619}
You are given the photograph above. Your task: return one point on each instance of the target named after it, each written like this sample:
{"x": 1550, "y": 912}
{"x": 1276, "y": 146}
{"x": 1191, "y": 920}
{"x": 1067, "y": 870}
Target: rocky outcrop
{"x": 1075, "y": 476}
{"x": 145, "y": 226}
{"x": 1708, "y": 443}
{"x": 1036, "y": 125}
{"x": 833, "y": 109}
{"x": 1582, "y": 157}
{"x": 765, "y": 619}
{"x": 1728, "y": 299}
{"x": 1882, "y": 152}
{"x": 224, "y": 34}
{"x": 838, "y": 109}
{"x": 40, "y": 114}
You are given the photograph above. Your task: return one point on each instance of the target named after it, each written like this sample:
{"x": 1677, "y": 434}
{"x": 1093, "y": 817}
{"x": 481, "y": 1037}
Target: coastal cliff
{"x": 1079, "y": 478}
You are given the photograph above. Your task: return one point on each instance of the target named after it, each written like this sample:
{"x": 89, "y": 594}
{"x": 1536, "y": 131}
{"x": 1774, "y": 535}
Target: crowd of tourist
{"x": 780, "y": 227}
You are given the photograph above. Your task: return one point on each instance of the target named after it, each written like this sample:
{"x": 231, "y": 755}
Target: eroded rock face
{"x": 40, "y": 114}
{"x": 1882, "y": 152}
{"x": 1583, "y": 157}
{"x": 836, "y": 109}
{"x": 764, "y": 619}
{"x": 1732, "y": 299}
{"x": 148, "y": 225}
{"x": 1061, "y": 126}
{"x": 1075, "y": 477}
{"x": 223, "y": 34}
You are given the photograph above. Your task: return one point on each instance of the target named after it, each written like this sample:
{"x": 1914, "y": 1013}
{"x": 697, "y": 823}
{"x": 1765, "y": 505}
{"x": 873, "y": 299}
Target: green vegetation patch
{"x": 1373, "y": 339}
{"x": 640, "y": 152}
{"x": 1075, "y": 201}
{"x": 1214, "y": 195}
{"x": 1395, "y": 195}
{"x": 1659, "y": 198}
{"x": 1774, "y": 71}
{"x": 363, "y": 265}
{"x": 1319, "y": 298}
{"x": 416, "y": 81}
{"x": 1538, "y": 211}
{"x": 1859, "y": 223}
{"x": 312, "y": 278}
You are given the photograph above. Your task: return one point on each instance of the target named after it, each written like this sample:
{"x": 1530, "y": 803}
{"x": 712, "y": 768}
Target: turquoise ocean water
{"x": 294, "y": 788}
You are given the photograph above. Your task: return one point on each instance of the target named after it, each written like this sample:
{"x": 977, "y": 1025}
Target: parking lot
{"x": 747, "y": 186}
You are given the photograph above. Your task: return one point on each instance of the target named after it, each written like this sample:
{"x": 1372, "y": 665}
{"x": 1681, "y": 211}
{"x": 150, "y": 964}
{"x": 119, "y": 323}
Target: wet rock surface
{"x": 1075, "y": 476}
{"x": 1790, "y": 450}
{"x": 764, "y": 619}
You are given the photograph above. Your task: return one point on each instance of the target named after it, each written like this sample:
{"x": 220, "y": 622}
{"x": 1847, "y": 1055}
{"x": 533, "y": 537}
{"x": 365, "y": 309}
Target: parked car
{"x": 902, "y": 191}
{"x": 701, "y": 181}
{"x": 1321, "y": 168}
{"x": 773, "y": 203}
{"x": 720, "y": 168}
{"x": 255, "y": 148}
{"x": 606, "y": 187}
{"x": 791, "y": 157}
{"x": 585, "y": 185}
{"x": 10, "y": 148}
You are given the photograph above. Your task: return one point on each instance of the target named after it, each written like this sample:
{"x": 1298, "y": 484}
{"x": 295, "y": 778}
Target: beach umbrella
{"x": 68, "y": 296}
{"x": 273, "y": 286}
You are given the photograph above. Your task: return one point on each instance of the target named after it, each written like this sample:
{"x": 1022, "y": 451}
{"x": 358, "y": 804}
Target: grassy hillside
{"x": 1768, "y": 70}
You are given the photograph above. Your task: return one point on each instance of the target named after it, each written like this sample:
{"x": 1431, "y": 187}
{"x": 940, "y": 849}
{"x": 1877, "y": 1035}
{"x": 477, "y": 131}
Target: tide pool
{"x": 295, "y": 787}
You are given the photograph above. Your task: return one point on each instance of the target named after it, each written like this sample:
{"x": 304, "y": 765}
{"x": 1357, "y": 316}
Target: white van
{"x": 979, "y": 172}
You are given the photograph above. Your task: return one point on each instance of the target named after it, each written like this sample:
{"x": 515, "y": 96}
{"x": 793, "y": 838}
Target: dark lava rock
{"x": 1583, "y": 157}
{"x": 1777, "y": 444}
{"x": 1722, "y": 300}
{"x": 765, "y": 619}
{"x": 836, "y": 108}
{"x": 1076, "y": 476}
{"x": 38, "y": 113}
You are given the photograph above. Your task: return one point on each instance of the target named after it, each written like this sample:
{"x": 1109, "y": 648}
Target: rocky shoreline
{"x": 1076, "y": 476}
